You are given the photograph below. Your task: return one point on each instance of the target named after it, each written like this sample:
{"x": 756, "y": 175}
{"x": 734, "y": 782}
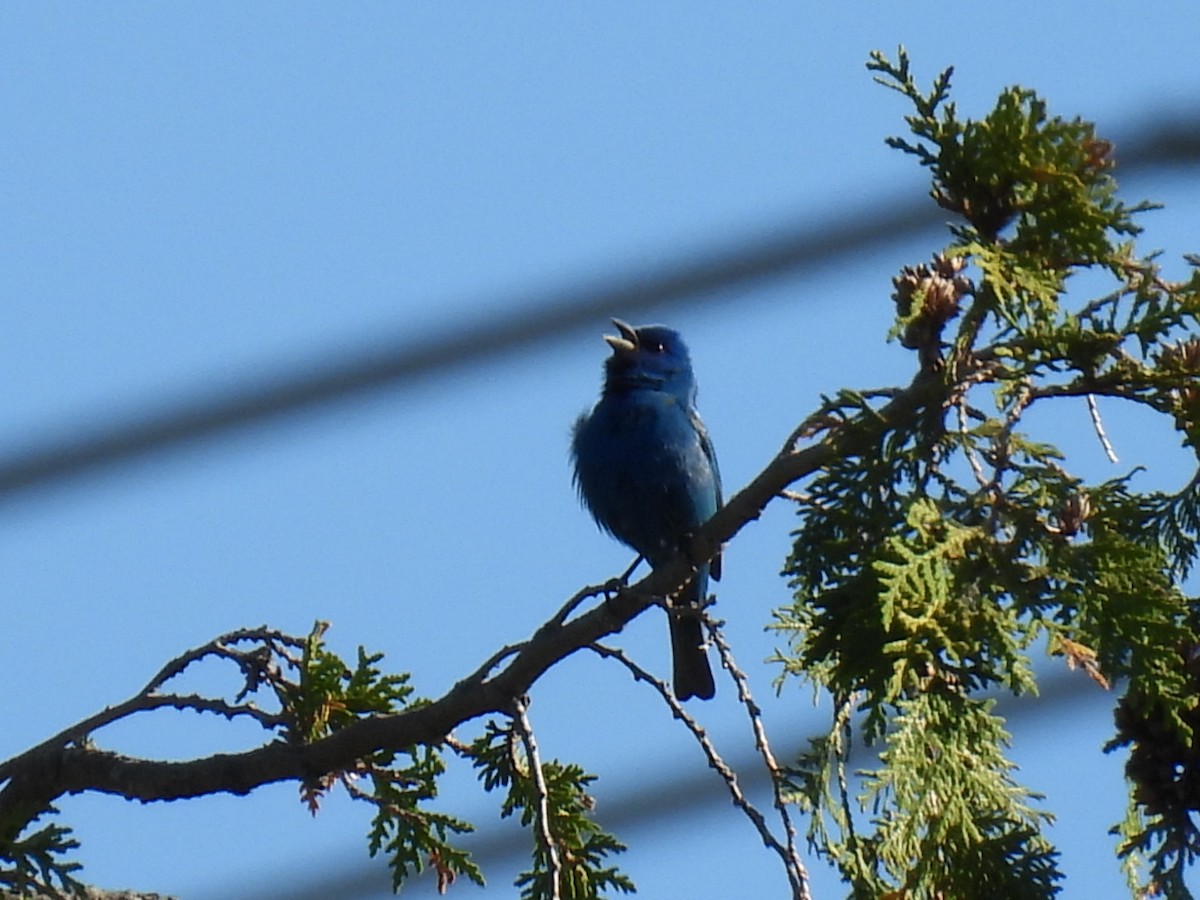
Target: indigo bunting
{"x": 646, "y": 471}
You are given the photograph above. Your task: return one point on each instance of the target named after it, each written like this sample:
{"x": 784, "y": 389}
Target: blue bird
{"x": 646, "y": 471}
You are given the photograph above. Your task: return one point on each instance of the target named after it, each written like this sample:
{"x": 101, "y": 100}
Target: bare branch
{"x": 797, "y": 877}
{"x": 574, "y": 603}
{"x": 542, "y": 793}
{"x": 1099, "y": 426}
{"x": 797, "y": 872}
{"x": 960, "y": 406}
{"x": 268, "y": 637}
{"x": 58, "y": 766}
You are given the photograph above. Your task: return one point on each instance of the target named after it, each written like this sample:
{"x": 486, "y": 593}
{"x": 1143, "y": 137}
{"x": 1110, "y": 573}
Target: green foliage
{"x": 411, "y": 836}
{"x": 1178, "y": 520}
{"x": 327, "y": 696}
{"x": 580, "y": 845}
{"x": 1045, "y": 176}
{"x": 950, "y": 542}
{"x": 951, "y": 822}
{"x": 942, "y": 545}
{"x": 1159, "y": 832}
{"x": 35, "y": 865}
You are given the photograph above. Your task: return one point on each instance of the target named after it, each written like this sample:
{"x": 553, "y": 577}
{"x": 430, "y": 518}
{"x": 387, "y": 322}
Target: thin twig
{"x": 494, "y": 660}
{"x": 798, "y": 881}
{"x": 590, "y": 591}
{"x": 832, "y": 415}
{"x": 231, "y": 711}
{"x": 147, "y": 700}
{"x": 797, "y": 872}
{"x": 270, "y": 638}
{"x": 542, "y": 792}
{"x": 1024, "y": 397}
{"x": 463, "y": 750}
{"x": 357, "y": 793}
{"x": 968, "y": 447}
{"x": 362, "y": 770}
{"x": 841, "y": 728}
{"x": 1099, "y": 426}
{"x": 179, "y": 664}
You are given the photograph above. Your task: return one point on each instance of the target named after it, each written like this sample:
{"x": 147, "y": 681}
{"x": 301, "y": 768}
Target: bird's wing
{"x": 714, "y": 568}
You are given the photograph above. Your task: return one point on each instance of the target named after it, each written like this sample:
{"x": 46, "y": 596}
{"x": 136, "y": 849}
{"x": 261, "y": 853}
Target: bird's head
{"x": 652, "y": 356}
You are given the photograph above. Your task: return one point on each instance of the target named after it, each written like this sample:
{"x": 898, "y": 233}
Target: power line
{"x": 698, "y": 275}
{"x": 702, "y": 275}
{"x": 795, "y": 245}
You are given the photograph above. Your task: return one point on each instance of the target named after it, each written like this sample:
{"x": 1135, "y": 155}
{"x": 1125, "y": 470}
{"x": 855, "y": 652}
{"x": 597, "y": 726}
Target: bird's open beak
{"x": 627, "y": 342}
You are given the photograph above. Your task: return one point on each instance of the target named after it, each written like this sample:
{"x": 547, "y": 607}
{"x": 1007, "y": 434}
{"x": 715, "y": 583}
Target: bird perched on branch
{"x": 646, "y": 471}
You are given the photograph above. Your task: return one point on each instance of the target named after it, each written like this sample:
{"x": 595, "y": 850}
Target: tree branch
{"x": 61, "y": 766}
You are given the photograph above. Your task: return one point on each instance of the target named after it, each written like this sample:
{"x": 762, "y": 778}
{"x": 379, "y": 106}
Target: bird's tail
{"x": 693, "y": 675}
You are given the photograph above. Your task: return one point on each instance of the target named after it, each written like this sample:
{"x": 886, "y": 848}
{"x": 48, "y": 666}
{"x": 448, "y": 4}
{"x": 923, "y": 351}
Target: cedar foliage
{"x": 941, "y": 544}
{"x": 928, "y": 569}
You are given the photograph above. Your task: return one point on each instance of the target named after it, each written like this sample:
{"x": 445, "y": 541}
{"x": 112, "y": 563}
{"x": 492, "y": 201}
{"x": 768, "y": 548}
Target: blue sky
{"x": 199, "y": 196}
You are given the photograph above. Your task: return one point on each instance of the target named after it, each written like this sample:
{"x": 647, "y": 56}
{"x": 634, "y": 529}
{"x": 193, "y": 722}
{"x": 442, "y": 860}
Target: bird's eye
{"x": 658, "y": 347}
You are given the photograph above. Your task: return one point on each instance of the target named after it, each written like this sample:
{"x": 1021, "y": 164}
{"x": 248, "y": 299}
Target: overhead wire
{"x": 809, "y": 243}
{"x": 700, "y": 276}
{"x": 806, "y": 243}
